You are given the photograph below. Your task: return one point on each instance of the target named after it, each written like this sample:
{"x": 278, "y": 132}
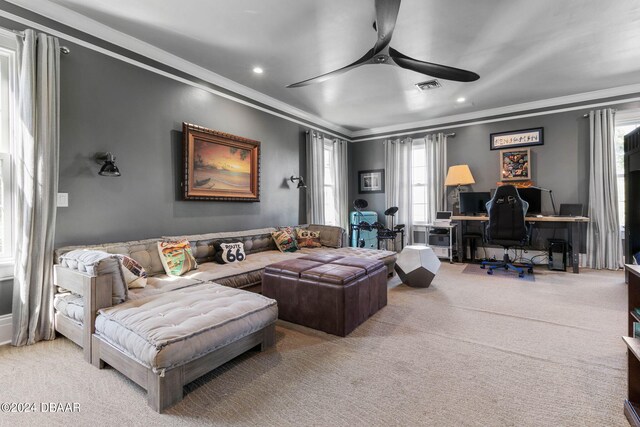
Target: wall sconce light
{"x": 300, "y": 180}
{"x": 109, "y": 167}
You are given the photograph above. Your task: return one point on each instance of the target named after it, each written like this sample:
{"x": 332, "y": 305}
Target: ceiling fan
{"x": 382, "y": 53}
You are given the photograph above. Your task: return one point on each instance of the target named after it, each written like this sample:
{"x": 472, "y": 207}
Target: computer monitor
{"x": 472, "y": 203}
{"x": 534, "y": 197}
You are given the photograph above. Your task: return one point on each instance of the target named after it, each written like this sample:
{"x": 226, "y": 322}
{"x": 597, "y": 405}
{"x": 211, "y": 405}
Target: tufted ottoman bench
{"x": 165, "y": 341}
{"x": 330, "y": 293}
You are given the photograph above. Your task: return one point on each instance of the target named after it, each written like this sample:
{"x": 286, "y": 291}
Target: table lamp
{"x": 459, "y": 175}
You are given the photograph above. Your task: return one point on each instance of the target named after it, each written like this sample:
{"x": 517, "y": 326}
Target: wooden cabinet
{"x": 632, "y": 194}
{"x": 632, "y": 404}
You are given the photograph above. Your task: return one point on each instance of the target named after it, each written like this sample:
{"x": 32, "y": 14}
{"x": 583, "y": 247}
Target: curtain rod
{"x": 587, "y": 114}
{"x": 63, "y": 49}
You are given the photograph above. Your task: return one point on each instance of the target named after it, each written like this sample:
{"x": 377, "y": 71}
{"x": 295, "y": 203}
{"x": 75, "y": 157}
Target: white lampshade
{"x": 459, "y": 175}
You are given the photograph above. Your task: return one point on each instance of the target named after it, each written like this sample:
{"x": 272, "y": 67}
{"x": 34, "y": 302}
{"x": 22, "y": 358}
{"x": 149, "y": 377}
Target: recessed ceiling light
{"x": 461, "y": 99}
{"x": 258, "y": 70}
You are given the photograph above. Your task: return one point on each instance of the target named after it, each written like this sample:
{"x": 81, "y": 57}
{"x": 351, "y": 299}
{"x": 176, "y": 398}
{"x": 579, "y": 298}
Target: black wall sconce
{"x": 300, "y": 180}
{"x": 107, "y": 160}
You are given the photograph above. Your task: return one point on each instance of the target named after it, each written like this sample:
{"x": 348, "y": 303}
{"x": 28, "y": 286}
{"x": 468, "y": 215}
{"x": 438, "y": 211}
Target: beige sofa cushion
{"x": 69, "y": 305}
{"x": 98, "y": 263}
{"x": 144, "y": 252}
{"x": 256, "y": 240}
{"x": 330, "y": 236}
{"x": 212, "y": 272}
{"x": 162, "y": 283}
{"x": 174, "y": 328}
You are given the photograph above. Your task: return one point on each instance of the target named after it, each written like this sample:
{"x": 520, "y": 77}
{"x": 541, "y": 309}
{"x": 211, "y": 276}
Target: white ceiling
{"x": 523, "y": 50}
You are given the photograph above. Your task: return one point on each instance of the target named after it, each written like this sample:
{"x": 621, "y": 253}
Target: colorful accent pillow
{"x": 291, "y": 231}
{"x": 227, "y": 253}
{"x": 308, "y": 239}
{"x": 134, "y": 274}
{"x": 284, "y": 241}
{"x": 176, "y": 257}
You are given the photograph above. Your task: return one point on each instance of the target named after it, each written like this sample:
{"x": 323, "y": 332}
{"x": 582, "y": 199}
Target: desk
{"x": 572, "y": 223}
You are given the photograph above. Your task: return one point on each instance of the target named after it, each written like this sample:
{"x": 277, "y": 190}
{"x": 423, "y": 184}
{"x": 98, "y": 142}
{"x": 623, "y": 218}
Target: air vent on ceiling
{"x": 428, "y": 85}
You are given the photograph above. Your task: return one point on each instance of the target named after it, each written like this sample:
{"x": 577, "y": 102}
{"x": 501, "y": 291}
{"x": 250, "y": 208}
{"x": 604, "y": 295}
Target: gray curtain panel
{"x": 604, "y": 245}
{"x": 397, "y": 170}
{"x": 341, "y": 176}
{"x": 436, "y": 161}
{"x": 36, "y": 167}
{"x": 315, "y": 178}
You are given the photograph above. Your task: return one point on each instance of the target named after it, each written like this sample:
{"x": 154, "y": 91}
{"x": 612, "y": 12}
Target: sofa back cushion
{"x": 254, "y": 241}
{"x": 98, "y": 263}
{"x": 330, "y": 236}
{"x": 145, "y": 252}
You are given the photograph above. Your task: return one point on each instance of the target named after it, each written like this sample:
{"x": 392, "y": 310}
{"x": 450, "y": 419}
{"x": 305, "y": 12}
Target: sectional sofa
{"x": 176, "y": 329}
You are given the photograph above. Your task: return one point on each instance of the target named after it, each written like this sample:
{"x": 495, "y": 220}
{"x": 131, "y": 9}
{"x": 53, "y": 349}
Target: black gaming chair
{"x": 507, "y": 227}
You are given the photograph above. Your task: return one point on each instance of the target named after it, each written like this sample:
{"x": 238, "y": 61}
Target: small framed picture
{"x": 517, "y": 138}
{"x": 515, "y": 165}
{"x": 371, "y": 181}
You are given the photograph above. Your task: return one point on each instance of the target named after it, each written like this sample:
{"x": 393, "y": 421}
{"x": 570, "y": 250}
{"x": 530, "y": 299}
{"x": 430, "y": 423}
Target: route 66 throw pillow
{"x": 227, "y": 253}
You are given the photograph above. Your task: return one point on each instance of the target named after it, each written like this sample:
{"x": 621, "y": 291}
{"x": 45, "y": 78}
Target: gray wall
{"x": 109, "y": 105}
{"x": 365, "y": 156}
{"x": 6, "y": 296}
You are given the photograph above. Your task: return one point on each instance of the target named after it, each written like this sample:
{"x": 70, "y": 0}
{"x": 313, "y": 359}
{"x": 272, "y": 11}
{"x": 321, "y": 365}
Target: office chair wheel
{"x": 521, "y": 274}
{"x": 489, "y": 271}
{"x": 482, "y": 266}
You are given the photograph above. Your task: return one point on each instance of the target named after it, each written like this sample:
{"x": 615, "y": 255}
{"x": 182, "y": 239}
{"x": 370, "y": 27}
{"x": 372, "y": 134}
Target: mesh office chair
{"x": 507, "y": 227}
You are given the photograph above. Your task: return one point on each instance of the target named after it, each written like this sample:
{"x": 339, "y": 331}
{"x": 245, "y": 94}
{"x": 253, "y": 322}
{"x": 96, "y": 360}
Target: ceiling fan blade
{"x": 364, "y": 60}
{"x": 433, "y": 70}
{"x": 386, "y": 16}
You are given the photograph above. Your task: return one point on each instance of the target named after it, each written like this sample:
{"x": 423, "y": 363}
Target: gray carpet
{"x": 470, "y": 350}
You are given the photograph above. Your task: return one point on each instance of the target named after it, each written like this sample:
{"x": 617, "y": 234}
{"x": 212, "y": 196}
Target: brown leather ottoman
{"x": 329, "y": 293}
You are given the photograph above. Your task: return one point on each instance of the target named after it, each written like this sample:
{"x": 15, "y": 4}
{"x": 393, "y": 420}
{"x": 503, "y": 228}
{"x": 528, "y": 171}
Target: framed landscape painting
{"x": 515, "y": 165}
{"x": 220, "y": 166}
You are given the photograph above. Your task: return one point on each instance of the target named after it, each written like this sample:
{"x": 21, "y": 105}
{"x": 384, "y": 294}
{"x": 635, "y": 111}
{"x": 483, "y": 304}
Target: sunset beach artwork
{"x": 220, "y": 166}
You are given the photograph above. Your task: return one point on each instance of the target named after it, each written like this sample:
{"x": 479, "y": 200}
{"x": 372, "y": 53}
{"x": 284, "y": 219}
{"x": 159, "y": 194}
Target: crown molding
{"x": 500, "y": 111}
{"x": 89, "y": 26}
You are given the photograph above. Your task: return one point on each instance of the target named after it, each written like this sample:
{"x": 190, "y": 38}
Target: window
{"x": 7, "y": 84}
{"x": 621, "y": 130}
{"x": 330, "y": 214}
{"x": 418, "y": 182}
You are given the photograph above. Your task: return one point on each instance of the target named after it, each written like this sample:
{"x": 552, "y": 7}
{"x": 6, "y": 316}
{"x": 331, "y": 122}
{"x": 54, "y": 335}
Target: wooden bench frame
{"x": 96, "y": 294}
{"x": 165, "y": 389}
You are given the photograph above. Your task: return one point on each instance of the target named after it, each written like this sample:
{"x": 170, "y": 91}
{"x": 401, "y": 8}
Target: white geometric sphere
{"x": 417, "y": 266}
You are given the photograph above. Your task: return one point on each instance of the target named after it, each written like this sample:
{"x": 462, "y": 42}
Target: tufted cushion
{"x": 254, "y": 241}
{"x": 329, "y": 235}
{"x": 70, "y": 305}
{"x": 98, "y": 263}
{"x": 177, "y": 327}
{"x": 213, "y": 272}
{"x": 387, "y": 257}
{"x": 144, "y": 252}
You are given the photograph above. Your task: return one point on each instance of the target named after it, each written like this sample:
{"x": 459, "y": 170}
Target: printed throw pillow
{"x": 134, "y": 274}
{"x": 227, "y": 253}
{"x": 308, "y": 239}
{"x": 291, "y": 231}
{"x": 176, "y": 257}
{"x": 284, "y": 241}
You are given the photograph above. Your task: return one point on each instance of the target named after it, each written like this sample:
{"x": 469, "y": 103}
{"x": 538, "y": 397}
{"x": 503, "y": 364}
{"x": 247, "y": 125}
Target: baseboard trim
{"x": 6, "y": 328}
